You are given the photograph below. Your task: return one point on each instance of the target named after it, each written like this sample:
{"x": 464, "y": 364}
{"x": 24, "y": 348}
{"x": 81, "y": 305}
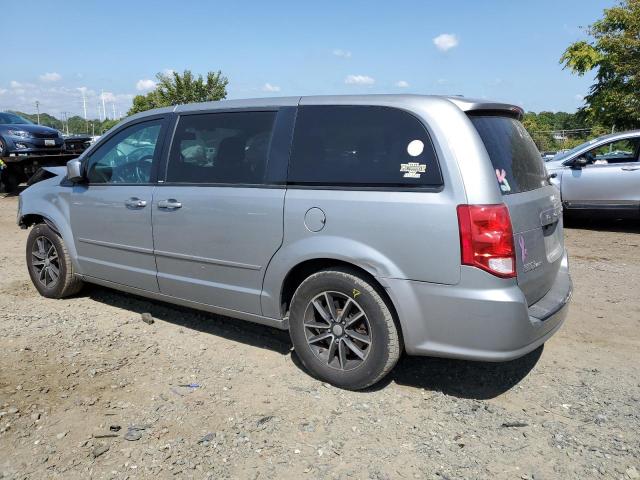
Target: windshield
{"x": 568, "y": 153}
{"x": 13, "y": 119}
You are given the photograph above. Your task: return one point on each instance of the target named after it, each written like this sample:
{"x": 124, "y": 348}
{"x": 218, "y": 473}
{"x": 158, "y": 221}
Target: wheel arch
{"x": 299, "y": 272}
{"x": 30, "y": 217}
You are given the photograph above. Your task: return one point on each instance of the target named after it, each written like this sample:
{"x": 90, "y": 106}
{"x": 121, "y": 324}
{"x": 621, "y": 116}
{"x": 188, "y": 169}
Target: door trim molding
{"x": 117, "y": 246}
{"x": 213, "y": 261}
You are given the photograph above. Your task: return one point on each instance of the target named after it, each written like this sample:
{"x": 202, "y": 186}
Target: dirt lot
{"x": 88, "y": 390}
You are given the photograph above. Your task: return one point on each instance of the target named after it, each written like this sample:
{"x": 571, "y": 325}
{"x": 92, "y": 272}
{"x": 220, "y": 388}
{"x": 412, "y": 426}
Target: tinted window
{"x": 127, "y": 156}
{"x": 221, "y": 148}
{"x": 367, "y": 146}
{"x": 515, "y": 158}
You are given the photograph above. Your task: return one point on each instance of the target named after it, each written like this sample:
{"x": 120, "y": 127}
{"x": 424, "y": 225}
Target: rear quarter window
{"x": 362, "y": 146}
{"x": 515, "y": 158}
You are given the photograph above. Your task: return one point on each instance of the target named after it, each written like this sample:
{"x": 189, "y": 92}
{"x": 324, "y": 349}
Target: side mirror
{"x": 74, "y": 170}
{"x": 579, "y": 163}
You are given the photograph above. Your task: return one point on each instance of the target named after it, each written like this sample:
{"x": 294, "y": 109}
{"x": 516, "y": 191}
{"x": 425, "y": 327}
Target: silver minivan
{"x": 365, "y": 225}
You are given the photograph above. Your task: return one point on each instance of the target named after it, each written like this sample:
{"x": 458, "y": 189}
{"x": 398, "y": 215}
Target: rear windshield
{"x": 515, "y": 158}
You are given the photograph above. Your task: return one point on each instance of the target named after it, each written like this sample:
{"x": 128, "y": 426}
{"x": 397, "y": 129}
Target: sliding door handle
{"x": 135, "y": 202}
{"x": 170, "y": 204}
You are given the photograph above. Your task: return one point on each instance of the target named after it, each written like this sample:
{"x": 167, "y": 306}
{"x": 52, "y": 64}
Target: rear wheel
{"x": 342, "y": 329}
{"x": 3, "y": 148}
{"x": 49, "y": 264}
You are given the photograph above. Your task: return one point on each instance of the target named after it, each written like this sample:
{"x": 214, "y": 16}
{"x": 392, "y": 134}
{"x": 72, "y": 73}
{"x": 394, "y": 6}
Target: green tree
{"x": 614, "y": 53}
{"x": 175, "y": 89}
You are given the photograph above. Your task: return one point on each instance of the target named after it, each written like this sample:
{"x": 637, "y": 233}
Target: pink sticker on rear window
{"x": 502, "y": 180}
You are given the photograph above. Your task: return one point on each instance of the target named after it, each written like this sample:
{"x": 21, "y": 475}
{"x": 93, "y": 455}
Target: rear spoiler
{"x": 473, "y": 106}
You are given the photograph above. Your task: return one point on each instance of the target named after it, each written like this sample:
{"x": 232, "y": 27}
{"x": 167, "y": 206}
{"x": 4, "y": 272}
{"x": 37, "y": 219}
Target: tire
{"x": 373, "y": 331}
{"x": 43, "y": 244}
{"x": 3, "y": 148}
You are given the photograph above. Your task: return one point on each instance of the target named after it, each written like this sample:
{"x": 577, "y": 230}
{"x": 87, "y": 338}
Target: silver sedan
{"x": 601, "y": 176}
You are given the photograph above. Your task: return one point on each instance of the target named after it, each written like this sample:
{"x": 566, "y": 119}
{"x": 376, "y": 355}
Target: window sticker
{"x": 415, "y": 147}
{"x": 502, "y": 180}
{"x": 413, "y": 169}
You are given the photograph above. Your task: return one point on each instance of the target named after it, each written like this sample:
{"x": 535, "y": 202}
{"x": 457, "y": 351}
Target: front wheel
{"x": 49, "y": 264}
{"x": 342, "y": 329}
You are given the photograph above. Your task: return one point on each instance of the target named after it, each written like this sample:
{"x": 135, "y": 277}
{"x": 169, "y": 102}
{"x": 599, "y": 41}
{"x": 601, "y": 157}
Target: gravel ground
{"x": 90, "y": 390}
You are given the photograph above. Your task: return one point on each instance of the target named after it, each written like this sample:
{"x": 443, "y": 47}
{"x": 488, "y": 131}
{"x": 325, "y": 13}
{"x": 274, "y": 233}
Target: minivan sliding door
{"x": 216, "y": 220}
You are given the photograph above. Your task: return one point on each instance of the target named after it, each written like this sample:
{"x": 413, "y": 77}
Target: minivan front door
{"x": 216, "y": 224}
{"x": 111, "y": 212}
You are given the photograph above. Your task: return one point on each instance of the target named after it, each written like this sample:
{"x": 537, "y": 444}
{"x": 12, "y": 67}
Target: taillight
{"x": 486, "y": 238}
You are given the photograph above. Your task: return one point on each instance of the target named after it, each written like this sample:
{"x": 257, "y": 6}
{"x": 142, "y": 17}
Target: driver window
{"x": 620, "y": 151}
{"x": 127, "y": 156}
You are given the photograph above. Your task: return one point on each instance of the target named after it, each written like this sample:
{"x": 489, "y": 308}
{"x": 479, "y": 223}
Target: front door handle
{"x": 630, "y": 169}
{"x": 135, "y": 202}
{"x": 171, "y": 204}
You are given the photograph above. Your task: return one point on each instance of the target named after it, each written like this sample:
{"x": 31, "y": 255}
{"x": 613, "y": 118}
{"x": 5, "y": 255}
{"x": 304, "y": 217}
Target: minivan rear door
{"x": 534, "y": 205}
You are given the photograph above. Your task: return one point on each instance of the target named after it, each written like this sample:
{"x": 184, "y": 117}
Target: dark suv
{"x": 19, "y": 135}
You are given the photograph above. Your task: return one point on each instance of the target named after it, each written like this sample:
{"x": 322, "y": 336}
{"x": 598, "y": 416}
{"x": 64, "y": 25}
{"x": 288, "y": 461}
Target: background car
{"x": 601, "y": 176}
{"x": 21, "y": 136}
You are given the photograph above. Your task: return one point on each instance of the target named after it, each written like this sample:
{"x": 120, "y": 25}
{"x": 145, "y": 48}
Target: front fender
{"x": 49, "y": 200}
{"x": 320, "y": 247}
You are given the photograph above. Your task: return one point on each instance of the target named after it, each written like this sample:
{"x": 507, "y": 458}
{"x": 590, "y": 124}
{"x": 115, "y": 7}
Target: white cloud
{"x": 168, "y": 71}
{"x": 51, "y": 77}
{"x": 402, "y": 84}
{"x": 359, "y": 80}
{"x": 338, "y": 52}
{"x": 579, "y": 97}
{"x": 55, "y": 99}
{"x": 145, "y": 84}
{"x": 445, "y": 41}
{"x": 3, "y": 91}
{"x": 267, "y": 87}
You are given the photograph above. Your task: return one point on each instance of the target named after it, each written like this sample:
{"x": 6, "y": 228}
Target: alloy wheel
{"x": 337, "y": 330}
{"x": 45, "y": 262}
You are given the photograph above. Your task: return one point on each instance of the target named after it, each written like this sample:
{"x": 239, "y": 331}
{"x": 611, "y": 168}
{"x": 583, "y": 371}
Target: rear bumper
{"x": 482, "y": 318}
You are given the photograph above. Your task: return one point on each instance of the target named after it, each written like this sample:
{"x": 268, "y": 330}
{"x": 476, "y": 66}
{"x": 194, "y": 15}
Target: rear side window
{"x": 362, "y": 146}
{"x": 515, "y": 158}
{"x": 221, "y": 148}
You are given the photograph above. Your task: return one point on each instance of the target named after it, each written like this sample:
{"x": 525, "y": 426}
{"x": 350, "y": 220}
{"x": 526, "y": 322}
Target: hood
{"x": 28, "y": 127}
{"x": 45, "y": 173}
{"x": 57, "y": 171}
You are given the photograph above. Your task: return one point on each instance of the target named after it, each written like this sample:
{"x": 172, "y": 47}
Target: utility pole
{"x": 114, "y": 110}
{"x": 103, "y": 107}
{"x": 84, "y": 107}
{"x": 65, "y": 120}
{"x": 38, "y": 110}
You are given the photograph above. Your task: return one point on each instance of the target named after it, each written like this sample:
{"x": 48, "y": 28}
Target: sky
{"x": 505, "y": 50}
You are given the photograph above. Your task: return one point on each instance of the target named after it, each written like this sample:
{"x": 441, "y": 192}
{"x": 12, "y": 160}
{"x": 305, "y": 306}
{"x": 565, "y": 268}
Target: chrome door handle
{"x": 135, "y": 202}
{"x": 170, "y": 204}
{"x": 630, "y": 169}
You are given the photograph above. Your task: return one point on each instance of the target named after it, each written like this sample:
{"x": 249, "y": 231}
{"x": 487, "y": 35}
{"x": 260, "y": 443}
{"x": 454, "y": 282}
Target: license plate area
{"x": 553, "y": 241}
{"x": 49, "y": 143}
